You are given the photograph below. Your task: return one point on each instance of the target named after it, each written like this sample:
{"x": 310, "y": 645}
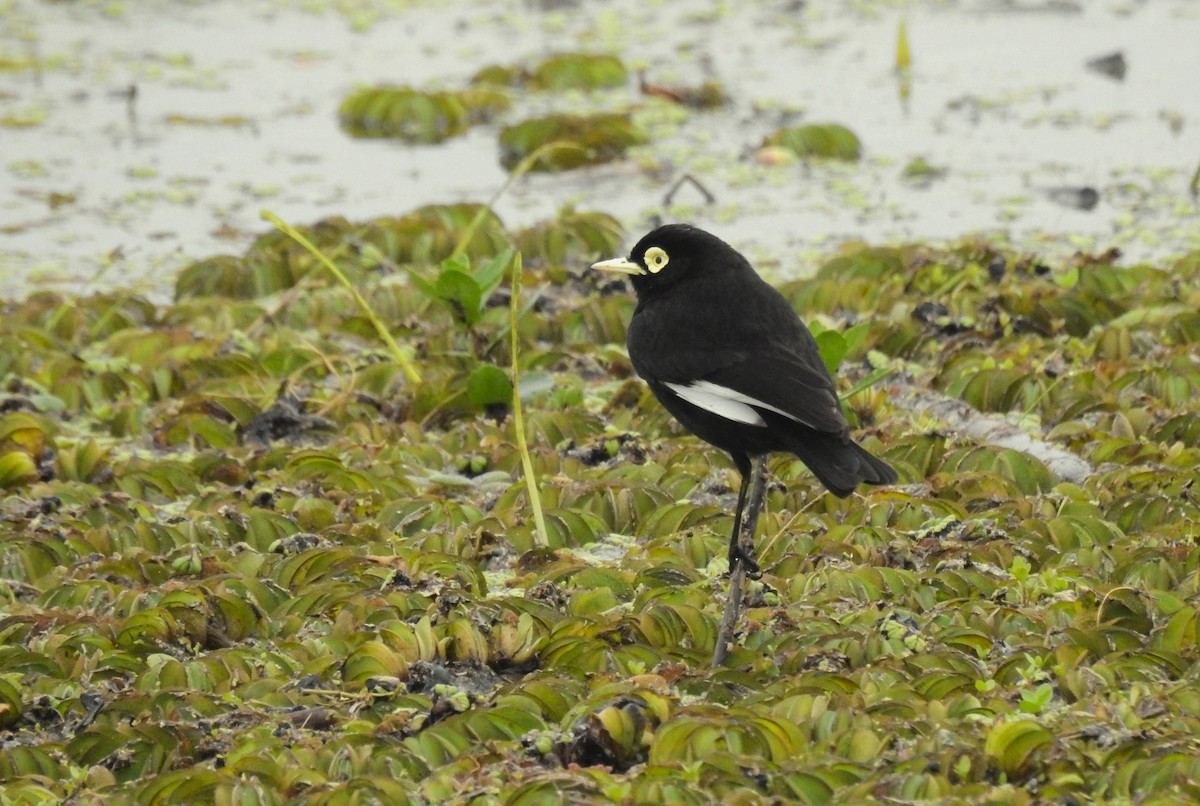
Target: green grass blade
{"x": 874, "y": 377}
{"x": 535, "y": 499}
{"x": 410, "y": 371}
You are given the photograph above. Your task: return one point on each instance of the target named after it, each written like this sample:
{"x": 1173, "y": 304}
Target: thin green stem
{"x": 535, "y": 498}
{"x": 523, "y": 167}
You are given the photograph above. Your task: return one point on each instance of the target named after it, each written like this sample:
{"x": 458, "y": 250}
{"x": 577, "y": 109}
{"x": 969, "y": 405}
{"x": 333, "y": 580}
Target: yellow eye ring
{"x": 656, "y": 259}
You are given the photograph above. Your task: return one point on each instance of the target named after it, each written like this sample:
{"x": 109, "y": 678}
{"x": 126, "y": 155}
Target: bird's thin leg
{"x": 741, "y": 552}
{"x": 758, "y": 491}
{"x": 735, "y": 542}
{"x": 736, "y": 554}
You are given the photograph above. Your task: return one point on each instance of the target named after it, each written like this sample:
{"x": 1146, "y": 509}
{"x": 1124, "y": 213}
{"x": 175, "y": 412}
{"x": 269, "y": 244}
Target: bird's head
{"x": 674, "y": 254}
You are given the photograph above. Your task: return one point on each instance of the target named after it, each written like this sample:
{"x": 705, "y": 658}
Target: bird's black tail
{"x": 842, "y": 466}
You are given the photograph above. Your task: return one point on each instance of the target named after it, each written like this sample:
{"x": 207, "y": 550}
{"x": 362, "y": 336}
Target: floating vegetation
{"x": 599, "y": 138}
{"x": 578, "y": 71}
{"x": 920, "y": 173}
{"x": 570, "y": 235}
{"x": 558, "y": 73}
{"x": 829, "y": 140}
{"x": 414, "y": 116}
{"x": 427, "y": 235}
{"x": 241, "y": 549}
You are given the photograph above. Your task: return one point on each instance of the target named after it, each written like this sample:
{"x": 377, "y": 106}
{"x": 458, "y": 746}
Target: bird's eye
{"x": 656, "y": 259}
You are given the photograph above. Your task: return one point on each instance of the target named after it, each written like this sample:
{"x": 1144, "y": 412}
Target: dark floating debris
{"x": 1113, "y": 65}
{"x": 285, "y": 418}
{"x": 938, "y": 317}
{"x": 709, "y": 95}
{"x": 709, "y": 198}
{"x": 1081, "y": 198}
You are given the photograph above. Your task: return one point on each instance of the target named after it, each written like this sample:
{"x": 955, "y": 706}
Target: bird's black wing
{"x": 768, "y": 357}
{"x": 788, "y": 384}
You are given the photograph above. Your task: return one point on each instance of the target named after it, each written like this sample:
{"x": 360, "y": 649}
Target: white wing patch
{"x": 725, "y": 402}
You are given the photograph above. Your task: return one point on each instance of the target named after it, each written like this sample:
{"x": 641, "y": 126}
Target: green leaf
{"x": 870, "y": 380}
{"x": 1012, "y": 742}
{"x": 459, "y": 262}
{"x": 1035, "y": 701}
{"x": 856, "y": 336}
{"x": 833, "y": 349}
{"x": 16, "y": 468}
{"x": 488, "y": 385}
{"x": 491, "y": 274}
{"x": 424, "y": 286}
{"x": 831, "y": 140}
{"x": 462, "y": 292}
{"x": 10, "y": 704}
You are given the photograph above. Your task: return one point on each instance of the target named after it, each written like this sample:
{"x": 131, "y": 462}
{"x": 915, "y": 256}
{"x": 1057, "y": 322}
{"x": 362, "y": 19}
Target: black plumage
{"x": 725, "y": 353}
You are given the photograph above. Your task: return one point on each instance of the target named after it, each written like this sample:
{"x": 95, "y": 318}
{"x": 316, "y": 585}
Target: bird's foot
{"x": 738, "y": 554}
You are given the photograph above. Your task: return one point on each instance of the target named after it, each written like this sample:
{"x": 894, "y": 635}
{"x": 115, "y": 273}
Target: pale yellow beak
{"x": 619, "y": 265}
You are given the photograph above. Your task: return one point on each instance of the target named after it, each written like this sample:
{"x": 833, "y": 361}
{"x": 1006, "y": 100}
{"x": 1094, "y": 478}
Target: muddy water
{"x": 233, "y": 109}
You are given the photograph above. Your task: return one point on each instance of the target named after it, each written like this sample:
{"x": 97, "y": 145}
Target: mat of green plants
{"x": 391, "y": 519}
{"x": 246, "y": 558}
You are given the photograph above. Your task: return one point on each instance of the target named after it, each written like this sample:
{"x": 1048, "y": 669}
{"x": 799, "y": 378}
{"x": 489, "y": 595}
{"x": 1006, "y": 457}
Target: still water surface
{"x": 235, "y": 111}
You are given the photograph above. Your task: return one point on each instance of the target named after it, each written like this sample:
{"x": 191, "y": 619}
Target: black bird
{"x": 727, "y": 355}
